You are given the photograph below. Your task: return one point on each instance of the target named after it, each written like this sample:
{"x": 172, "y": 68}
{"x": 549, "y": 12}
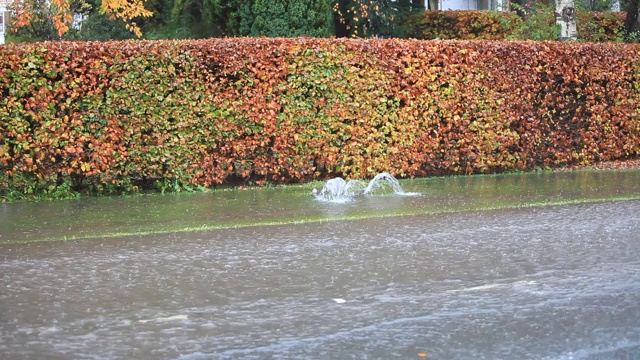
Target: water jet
{"x": 341, "y": 190}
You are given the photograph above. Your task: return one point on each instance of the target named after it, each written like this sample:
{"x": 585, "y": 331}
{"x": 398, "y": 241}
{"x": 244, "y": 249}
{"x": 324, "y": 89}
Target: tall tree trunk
{"x": 566, "y": 18}
{"x": 631, "y": 25}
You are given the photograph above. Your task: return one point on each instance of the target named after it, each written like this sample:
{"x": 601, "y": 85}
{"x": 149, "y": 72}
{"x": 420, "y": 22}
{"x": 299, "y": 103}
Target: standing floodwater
{"x": 468, "y": 281}
{"x": 543, "y": 283}
{"x": 222, "y": 209}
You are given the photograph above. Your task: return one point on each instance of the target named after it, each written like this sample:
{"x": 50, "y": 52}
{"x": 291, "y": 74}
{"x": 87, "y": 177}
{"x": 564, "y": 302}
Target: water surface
{"x": 136, "y": 215}
{"x": 551, "y": 282}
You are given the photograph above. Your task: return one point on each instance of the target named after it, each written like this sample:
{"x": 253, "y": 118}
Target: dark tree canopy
{"x": 366, "y": 18}
{"x": 291, "y": 18}
{"x": 177, "y": 19}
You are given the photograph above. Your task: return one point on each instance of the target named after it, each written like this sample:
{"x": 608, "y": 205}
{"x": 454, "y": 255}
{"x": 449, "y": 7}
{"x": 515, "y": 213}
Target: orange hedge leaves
{"x": 119, "y": 115}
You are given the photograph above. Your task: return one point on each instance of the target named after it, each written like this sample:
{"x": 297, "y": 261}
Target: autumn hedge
{"x": 116, "y": 116}
{"x": 593, "y": 26}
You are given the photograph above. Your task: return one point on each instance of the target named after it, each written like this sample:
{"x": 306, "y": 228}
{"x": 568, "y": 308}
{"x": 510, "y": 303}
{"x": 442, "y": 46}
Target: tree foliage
{"x": 61, "y": 13}
{"x": 280, "y": 18}
{"x": 46, "y": 20}
{"x": 367, "y": 18}
{"x": 595, "y": 5}
{"x": 277, "y": 18}
{"x": 196, "y": 18}
{"x": 39, "y": 25}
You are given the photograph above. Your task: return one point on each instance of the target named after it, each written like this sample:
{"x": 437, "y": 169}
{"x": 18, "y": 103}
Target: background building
{"x": 4, "y": 19}
{"x": 498, "y": 5}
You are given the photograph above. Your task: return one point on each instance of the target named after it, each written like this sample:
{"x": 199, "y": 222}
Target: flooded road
{"x": 552, "y": 282}
{"x": 222, "y": 209}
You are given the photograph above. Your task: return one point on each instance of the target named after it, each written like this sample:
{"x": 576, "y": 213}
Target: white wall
{"x": 3, "y": 20}
{"x": 3, "y": 24}
{"x": 4, "y": 4}
{"x": 499, "y": 5}
{"x": 457, "y": 5}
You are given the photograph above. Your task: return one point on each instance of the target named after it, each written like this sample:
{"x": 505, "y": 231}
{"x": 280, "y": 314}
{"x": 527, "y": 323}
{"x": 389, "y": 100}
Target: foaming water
{"x": 338, "y": 190}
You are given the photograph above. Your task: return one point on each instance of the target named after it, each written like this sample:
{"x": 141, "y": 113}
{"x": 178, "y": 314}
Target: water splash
{"x": 382, "y": 181}
{"x": 340, "y": 190}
